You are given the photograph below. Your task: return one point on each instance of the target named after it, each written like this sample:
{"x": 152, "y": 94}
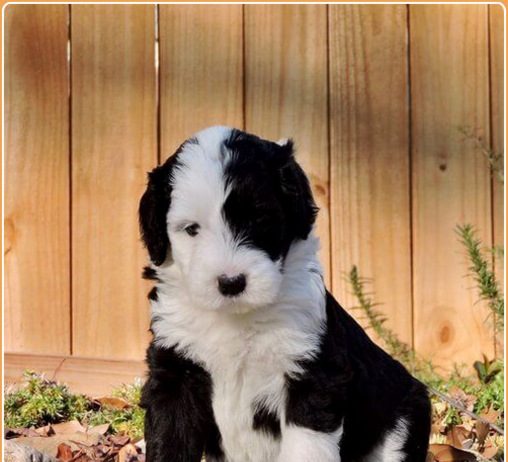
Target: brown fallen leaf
{"x": 457, "y": 435}
{"x": 47, "y": 430}
{"x": 491, "y": 415}
{"x": 119, "y": 440}
{"x": 20, "y": 432}
{"x": 64, "y": 452}
{"x": 489, "y": 451}
{"x": 128, "y": 453}
{"x": 482, "y": 431}
{"x": 99, "y": 429}
{"x": 64, "y": 428}
{"x": 448, "y": 453}
{"x": 115, "y": 403}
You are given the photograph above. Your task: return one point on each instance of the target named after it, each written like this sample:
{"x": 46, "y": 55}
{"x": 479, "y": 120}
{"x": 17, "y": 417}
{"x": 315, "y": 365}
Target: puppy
{"x": 252, "y": 360}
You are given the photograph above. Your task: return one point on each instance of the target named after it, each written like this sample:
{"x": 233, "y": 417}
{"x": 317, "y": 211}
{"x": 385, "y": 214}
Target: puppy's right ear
{"x": 153, "y": 210}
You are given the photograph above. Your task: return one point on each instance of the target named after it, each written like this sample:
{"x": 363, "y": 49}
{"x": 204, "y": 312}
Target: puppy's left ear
{"x": 297, "y": 192}
{"x": 153, "y": 209}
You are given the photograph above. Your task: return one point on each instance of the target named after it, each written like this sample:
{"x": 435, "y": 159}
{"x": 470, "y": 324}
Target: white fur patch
{"x": 390, "y": 450}
{"x": 305, "y": 445}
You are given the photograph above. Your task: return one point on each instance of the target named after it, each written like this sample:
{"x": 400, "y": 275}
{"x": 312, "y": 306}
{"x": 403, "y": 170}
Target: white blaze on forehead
{"x": 213, "y": 138}
{"x": 198, "y": 180}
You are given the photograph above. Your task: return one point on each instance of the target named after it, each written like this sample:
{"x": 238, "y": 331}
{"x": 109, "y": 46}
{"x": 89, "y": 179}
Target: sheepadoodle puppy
{"x": 252, "y": 360}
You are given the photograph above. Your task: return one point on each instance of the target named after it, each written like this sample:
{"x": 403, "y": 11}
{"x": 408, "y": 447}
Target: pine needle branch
{"x": 481, "y": 270}
{"x": 377, "y": 320}
{"x": 494, "y": 159}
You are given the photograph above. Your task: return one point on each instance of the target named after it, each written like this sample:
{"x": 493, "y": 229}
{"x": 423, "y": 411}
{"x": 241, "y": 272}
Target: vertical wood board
{"x": 370, "y": 185}
{"x": 451, "y": 183}
{"x": 286, "y": 91}
{"x": 114, "y": 145}
{"x": 201, "y": 77}
{"x": 37, "y": 284}
{"x": 497, "y": 101}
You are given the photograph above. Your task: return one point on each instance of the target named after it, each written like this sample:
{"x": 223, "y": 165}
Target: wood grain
{"x": 201, "y": 81}
{"x": 451, "y": 183}
{"x": 370, "y": 210}
{"x": 114, "y": 145}
{"x": 94, "y": 377}
{"x": 286, "y": 91}
{"x": 497, "y": 100}
{"x": 37, "y": 284}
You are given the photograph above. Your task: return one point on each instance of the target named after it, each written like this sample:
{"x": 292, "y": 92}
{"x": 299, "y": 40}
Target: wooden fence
{"x": 374, "y": 95}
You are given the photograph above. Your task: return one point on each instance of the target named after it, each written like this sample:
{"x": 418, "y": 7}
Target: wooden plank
{"x": 114, "y": 145}
{"x": 37, "y": 282}
{"x": 497, "y": 100}
{"x": 286, "y": 90}
{"x": 451, "y": 183}
{"x": 370, "y": 210}
{"x": 200, "y": 70}
{"x": 497, "y": 55}
{"x": 94, "y": 377}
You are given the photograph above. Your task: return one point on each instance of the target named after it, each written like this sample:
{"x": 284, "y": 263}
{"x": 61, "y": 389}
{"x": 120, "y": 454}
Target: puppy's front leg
{"x": 300, "y": 444}
{"x": 179, "y": 423}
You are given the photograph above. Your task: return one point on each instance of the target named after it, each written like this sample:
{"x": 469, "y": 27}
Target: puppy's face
{"x": 225, "y": 209}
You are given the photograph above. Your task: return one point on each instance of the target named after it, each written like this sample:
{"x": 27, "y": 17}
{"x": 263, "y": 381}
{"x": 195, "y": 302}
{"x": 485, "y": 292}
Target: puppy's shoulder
{"x": 169, "y": 368}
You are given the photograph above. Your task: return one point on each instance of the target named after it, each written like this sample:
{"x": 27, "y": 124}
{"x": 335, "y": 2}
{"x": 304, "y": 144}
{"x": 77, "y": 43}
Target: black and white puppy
{"x": 252, "y": 359}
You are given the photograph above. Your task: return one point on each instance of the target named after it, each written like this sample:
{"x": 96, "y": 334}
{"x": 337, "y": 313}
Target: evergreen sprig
{"x": 494, "y": 159}
{"x": 377, "y": 321}
{"x": 481, "y": 270}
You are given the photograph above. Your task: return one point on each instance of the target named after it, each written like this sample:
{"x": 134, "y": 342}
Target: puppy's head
{"x": 225, "y": 209}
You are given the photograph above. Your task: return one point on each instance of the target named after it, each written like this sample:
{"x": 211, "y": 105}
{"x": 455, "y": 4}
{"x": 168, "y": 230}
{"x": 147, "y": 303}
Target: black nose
{"x": 231, "y": 286}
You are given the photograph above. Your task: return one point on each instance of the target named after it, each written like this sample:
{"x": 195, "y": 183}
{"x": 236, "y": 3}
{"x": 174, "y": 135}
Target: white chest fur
{"x": 248, "y": 355}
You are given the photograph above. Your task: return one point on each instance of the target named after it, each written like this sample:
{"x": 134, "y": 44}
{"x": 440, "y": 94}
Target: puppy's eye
{"x": 192, "y": 229}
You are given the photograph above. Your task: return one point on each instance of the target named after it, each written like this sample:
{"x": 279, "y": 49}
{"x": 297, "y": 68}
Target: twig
{"x": 463, "y": 409}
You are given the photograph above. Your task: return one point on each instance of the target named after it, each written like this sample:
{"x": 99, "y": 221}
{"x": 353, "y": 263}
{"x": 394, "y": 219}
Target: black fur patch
{"x": 153, "y": 208}
{"x": 354, "y": 383}
{"x": 149, "y": 274}
{"x": 270, "y": 203}
{"x": 266, "y": 421}
{"x": 179, "y": 422}
{"x": 152, "y": 295}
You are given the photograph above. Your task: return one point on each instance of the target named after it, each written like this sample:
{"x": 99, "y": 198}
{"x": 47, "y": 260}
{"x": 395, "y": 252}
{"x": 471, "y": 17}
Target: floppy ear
{"x": 153, "y": 209}
{"x": 297, "y": 193}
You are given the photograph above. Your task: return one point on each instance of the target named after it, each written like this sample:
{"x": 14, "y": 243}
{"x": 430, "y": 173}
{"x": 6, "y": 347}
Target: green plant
{"x": 41, "y": 402}
{"x": 494, "y": 159}
{"x": 483, "y": 274}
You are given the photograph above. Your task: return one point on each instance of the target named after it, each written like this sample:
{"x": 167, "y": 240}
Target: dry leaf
{"x": 115, "y": 403}
{"x": 128, "y": 453}
{"x": 447, "y": 453}
{"x": 64, "y": 428}
{"x": 457, "y": 435}
{"x": 99, "y": 429}
{"x": 119, "y": 440}
{"x": 47, "y": 430}
{"x": 482, "y": 430}
{"x": 64, "y": 452}
{"x": 491, "y": 415}
{"x": 20, "y": 432}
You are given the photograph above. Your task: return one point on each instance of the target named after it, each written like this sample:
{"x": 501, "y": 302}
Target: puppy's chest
{"x": 248, "y": 399}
